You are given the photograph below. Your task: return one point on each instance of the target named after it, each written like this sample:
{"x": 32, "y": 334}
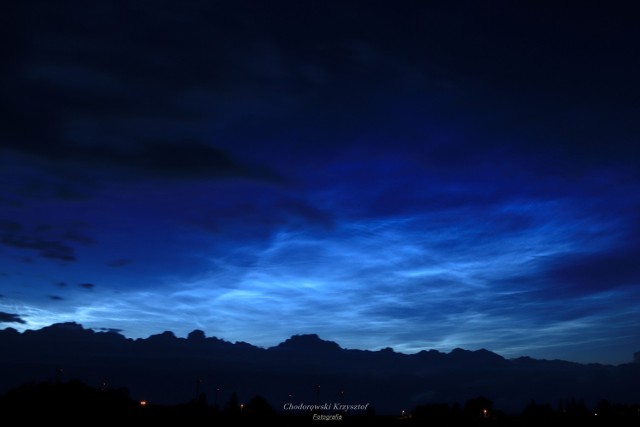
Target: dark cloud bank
{"x": 10, "y": 318}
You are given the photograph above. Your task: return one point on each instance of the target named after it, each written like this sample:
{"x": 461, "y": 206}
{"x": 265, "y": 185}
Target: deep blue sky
{"x": 384, "y": 174}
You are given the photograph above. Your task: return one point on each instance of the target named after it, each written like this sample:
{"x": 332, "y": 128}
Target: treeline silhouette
{"x": 567, "y": 412}
{"x": 76, "y": 402}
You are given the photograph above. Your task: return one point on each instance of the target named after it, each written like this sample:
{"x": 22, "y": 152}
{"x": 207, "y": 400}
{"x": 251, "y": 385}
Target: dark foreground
{"x": 77, "y": 404}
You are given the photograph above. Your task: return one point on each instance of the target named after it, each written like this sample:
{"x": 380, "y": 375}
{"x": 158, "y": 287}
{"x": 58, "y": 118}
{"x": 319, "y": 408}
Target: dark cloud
{"x": 597, "y": 272}
{"x": 52, "y": 183}
{"x": 55, "y": 298}
{"x": 186, "y": 159}
{"x": 61, "y": 284}
{"x": 10, "y": 318}
{"x": 597, "y": 268}
{"x": 332, "y": 80}
{"x": 10, "y": 226}
{"x": 296, "y": 208}
{"x": 49, "y": 241}
{"x": 45, "y": 248}
{"x": 577, "y": 273}
{"x": 87, "y": 285}
{"x": 76, "y": 237}
{"x": 255, "y": 210}
{"x": 119, "y": 262}
{"x": 85, "y": 93}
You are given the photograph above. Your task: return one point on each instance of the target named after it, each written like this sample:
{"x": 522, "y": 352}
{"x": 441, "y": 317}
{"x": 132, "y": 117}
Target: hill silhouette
{"x": 303, "y": 370}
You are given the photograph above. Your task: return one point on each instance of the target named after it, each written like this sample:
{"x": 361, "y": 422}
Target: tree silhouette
{"x": 432, "y": 411}
{"x": 232, "y": 407}
{"x": 258, "y": 406}
{"x": 479, "y": 407}
{"x": 538, "y": 411}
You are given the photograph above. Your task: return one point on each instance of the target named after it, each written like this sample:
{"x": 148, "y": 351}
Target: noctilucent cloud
{"x": 384, "y": 174}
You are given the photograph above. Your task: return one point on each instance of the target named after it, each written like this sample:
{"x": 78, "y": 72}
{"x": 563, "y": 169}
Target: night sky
{"x": 405, "y": 174}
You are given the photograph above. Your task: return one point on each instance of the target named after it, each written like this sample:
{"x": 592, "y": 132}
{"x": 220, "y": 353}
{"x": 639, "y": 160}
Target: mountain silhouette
{"x": 303, "y": 369}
